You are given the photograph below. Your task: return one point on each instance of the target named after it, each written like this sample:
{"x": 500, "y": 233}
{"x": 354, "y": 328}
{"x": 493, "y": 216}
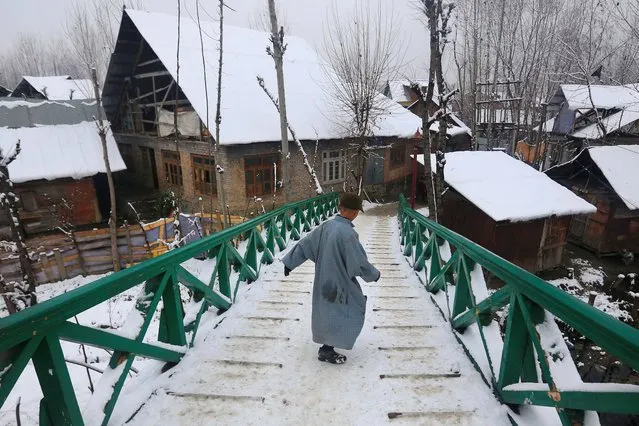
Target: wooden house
{"x": 140, "y": 99}
{"x": 508, "y": 207}
{"x": 608, "y": 177}
{"x": 4, "y": 91}
{"x": 54, "y": 88}
{"x": 595, "y": 115}
{"x": 459, "y": 136}
{"x": 59, "y": 173}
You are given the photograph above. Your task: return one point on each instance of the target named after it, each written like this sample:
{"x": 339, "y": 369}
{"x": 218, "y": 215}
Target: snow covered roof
{"x": 620, "y": 166}
{"x": 57, "y": 139}
{"x": 247, "y": 113}
{"x": 397, "y": 89}
{"x": 547, "y": 126}
{"x": 507, "y": 189}
{"x": 61, "y": 87}
{"x": 611, "y": 123}
{"x": 605, "y": 97}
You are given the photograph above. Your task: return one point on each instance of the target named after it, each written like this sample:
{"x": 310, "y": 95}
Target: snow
{"x": 295, "y": 388}
{"x": 611, "y": 123}
{"x": 579, "y": 96}
{"x": 507, "y": 189}
{"x": 398, "y": 89}
{"x": 61, "y": 87}
{"x": 62, "y": 151}
{"x": 30, "y": 104}
{"x": 547, "y": 126}
{"x": 311, "y": 109}
{"x": 620, "y": 166}
{"x": 603, "y": 301}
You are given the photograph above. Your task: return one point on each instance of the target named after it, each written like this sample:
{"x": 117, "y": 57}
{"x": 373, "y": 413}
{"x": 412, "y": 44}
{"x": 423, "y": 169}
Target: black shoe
{"x": 328, "y": 354}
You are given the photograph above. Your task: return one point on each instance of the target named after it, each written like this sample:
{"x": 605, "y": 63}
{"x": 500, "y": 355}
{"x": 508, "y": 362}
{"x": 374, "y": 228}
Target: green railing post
{"x": 223, "y": 270}
{"x": 59, "y": 402}
{"x": 529, "y": 298}
{"x": 172, "y": 314}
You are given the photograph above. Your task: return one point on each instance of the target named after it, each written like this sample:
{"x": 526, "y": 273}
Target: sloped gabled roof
{"x": 60, "y": 87}
{"x": 57, "y": 140}
{"x": 247, "y": 113}
{"x": 507, "y": 189}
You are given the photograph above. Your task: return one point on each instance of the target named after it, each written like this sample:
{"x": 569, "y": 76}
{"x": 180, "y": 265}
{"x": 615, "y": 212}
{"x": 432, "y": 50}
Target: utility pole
{"x": 277, "y": 38}
{"x": 105, "y": 152}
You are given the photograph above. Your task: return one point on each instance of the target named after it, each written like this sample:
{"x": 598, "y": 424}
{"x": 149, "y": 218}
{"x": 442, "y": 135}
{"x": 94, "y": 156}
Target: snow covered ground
{"x": 256, "y": 363}
{"x": 590, "y": 280}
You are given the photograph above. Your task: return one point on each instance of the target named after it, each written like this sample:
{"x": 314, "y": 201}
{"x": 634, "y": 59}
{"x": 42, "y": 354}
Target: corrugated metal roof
{"x": 17, "y": 113}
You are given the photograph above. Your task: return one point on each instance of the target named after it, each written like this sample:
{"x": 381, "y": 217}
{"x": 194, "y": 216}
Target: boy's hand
{"x": 286, "y": 271}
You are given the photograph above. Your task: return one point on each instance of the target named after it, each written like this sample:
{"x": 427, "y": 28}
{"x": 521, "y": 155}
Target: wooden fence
{"x": 62, "y": 256}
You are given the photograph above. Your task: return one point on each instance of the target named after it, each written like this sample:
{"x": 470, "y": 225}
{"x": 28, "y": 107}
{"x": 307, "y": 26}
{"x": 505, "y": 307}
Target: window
{"x": 333, "y": 166}
{"x": 28, "y": 200}
{"x": 172, "y": 167}
{"x": 259, "y": 174}
{"x": 397, "y": 157}
{"x": 204, "y": 175}
{"x": 126, "y": 151}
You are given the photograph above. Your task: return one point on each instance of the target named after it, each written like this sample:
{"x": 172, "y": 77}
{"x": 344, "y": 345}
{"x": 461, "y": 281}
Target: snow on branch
{"x": 8, "y": 159}
{"x": 309, "y": 168}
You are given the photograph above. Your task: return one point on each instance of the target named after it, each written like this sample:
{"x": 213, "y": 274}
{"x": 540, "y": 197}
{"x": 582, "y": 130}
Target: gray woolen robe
{"x": 339, "y": 306}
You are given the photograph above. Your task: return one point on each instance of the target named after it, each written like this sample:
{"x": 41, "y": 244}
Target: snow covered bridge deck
{"x": 230, "y": 342}
{"x": 258, "y": 365}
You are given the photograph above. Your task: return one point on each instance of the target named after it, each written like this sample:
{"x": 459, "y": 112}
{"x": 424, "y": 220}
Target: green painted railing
{"x": 531, "y": 364}
{"x": 35, "y": 333}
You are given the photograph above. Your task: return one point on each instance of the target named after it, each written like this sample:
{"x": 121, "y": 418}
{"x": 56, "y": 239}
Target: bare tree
{"x": 437, "y": 17}
{"x": 260, "y": 20}
{"x": 277, "y": 52}
{"x": 361, "y": 51}
{"x": 17, "y": 296}
{"x": 218, "y": 120}
{"x": 102, "y": 131}
{"x": 33, "y": 55}
{"x": 309, "y": 168}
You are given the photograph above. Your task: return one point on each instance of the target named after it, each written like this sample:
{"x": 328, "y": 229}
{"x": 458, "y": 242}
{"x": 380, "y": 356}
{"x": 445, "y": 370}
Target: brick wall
{"x": 231, "y": 157}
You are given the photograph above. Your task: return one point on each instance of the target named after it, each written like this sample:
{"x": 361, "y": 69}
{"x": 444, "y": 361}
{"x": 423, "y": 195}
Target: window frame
{"x": 172, "y": 167}
{"x": 394, "y": 163}
{"x": 328, "y": 166}
{"x": 126, "y": 152}
{"x": 256, "y": 165}
{"x": 200, "y": 170}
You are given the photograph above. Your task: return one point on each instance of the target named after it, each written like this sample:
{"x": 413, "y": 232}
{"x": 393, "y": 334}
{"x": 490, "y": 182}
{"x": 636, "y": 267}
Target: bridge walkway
{"x": 257, "y": 364}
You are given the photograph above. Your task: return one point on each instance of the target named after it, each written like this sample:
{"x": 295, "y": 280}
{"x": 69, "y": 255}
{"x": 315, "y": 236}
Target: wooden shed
{"x": 59, "y": 174}
{"x": 508, "y": 207}
{"x": 608, "y": 177}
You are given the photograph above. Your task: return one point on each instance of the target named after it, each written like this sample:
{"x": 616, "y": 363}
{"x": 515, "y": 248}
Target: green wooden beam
{"x": 72, "y": 332}
{"x": 172, "y": 318}
{"x": 611, "y": 334}
{"x": 59, "y": 398}
{"x": 194, "y": 284}
{"x": 17, "y": 364}
{"x": 47, "y": 315}
{"x": 611, "y": 401}
{"x": 153, "y": 291}
{"x": 492, "y": 304}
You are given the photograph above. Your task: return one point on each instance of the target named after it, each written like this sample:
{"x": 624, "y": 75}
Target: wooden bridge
{"x": 239, "y": 352}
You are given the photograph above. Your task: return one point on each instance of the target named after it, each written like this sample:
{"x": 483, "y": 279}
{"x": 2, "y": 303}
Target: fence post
{"x": 62, "y": 271}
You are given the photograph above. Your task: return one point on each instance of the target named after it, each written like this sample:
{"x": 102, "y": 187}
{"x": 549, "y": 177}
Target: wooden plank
{"x": 62, "y": 272}
{"x": 45, "y": 267}
{"x": 613, "y": 400}
{"x": 103, "y": 339}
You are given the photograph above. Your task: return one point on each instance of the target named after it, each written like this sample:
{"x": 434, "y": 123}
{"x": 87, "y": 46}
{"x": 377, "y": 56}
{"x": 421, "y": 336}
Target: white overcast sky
{"x": 305, "y": 18}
